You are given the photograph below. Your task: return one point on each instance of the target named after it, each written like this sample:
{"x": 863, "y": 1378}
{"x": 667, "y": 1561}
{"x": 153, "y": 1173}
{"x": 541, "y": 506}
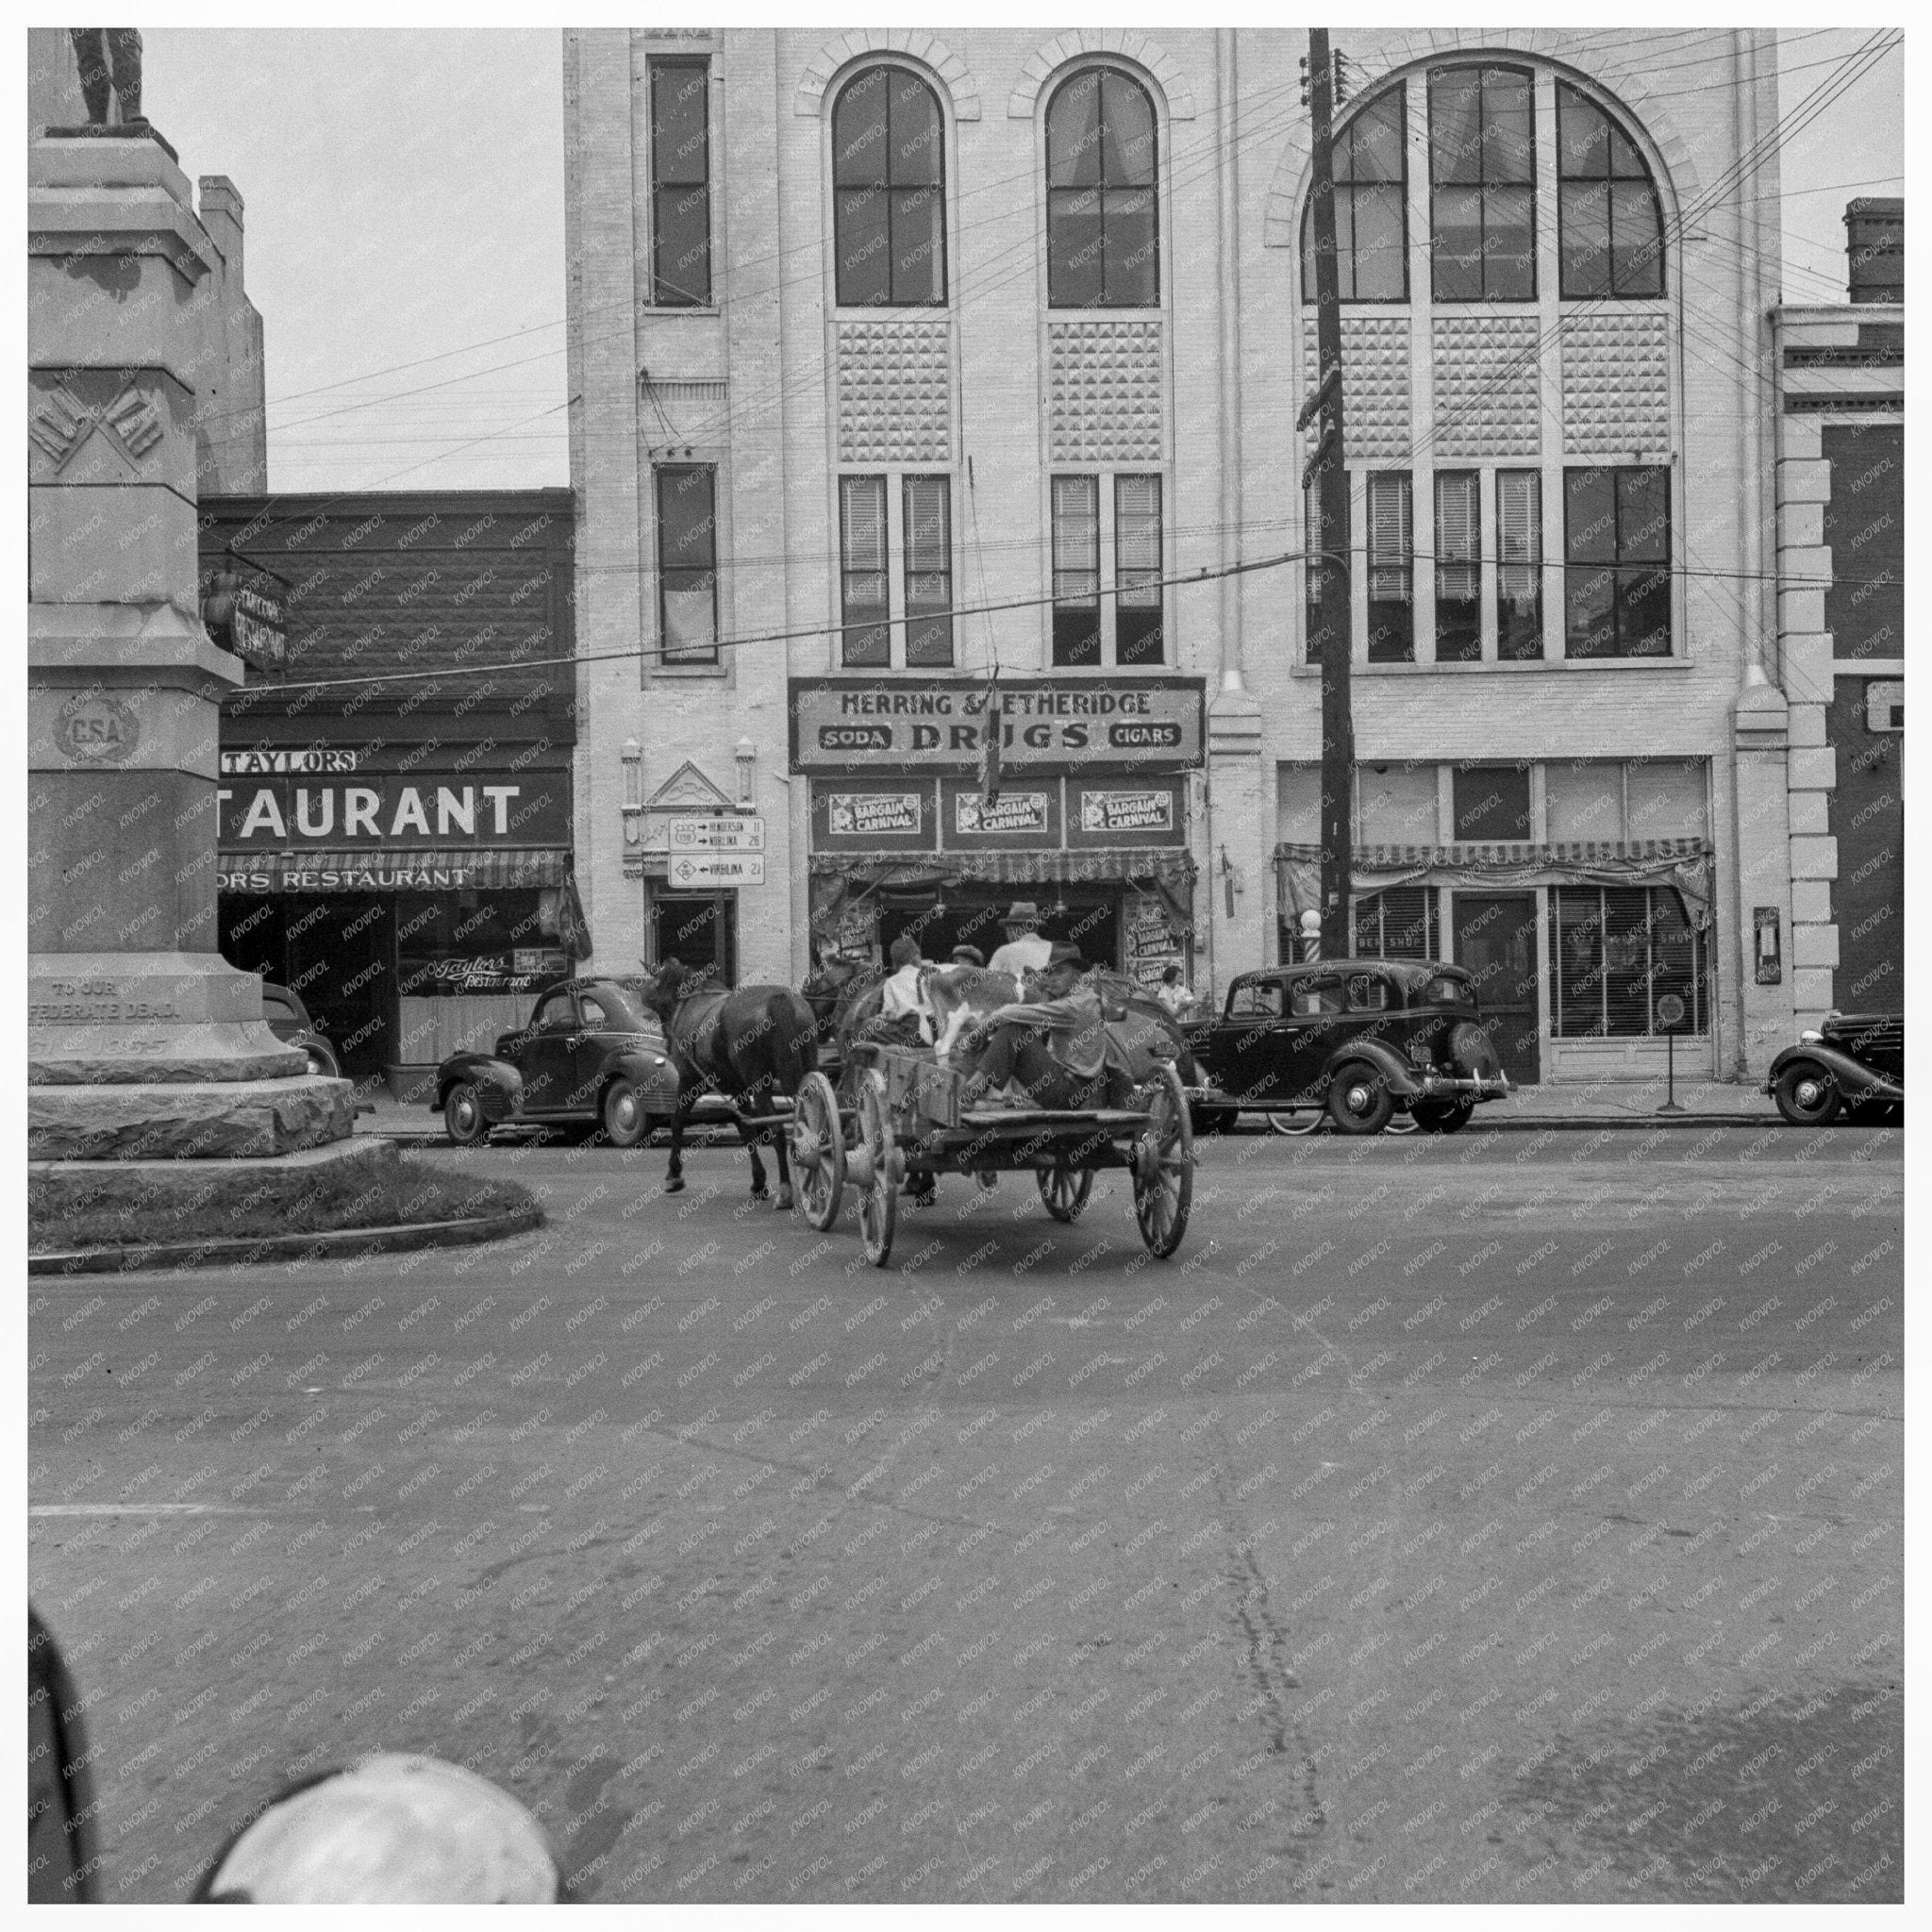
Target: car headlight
{"x": 1811, "y": 1037}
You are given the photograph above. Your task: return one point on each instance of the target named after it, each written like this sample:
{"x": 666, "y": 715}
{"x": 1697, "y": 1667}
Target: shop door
{"x": 699, "y": 930}
{"x": 1495, "y": 942}
{"x": 340, "y": 959}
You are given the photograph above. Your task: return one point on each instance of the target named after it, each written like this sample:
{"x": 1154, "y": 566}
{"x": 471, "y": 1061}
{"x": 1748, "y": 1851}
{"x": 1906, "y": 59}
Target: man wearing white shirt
{"x": 1025, "y": 950}
{"x": 901, "y": 992}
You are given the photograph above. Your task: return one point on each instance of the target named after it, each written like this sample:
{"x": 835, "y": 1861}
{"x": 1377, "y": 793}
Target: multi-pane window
{"x": 1077, "y": 569}
{"x": 864, "y": 586}
{"x": 688, "y": 562}
{"x": 1392, "y": 568}
{"x": 1458, "y": 567}
{"x": 925, "y": 544}
{"x": 680, "y": 184}
{"x": 1371, "y": 208}
{"x": 1616, "y": 951}
{"x": 888, "y": 190}
{"x": 1398, "y": 923}
{"x": 1607, "y": 213}
{"x": 929, "y": 523}
{"x": 1088, "y": 553}
{"x": 1616, "y": 550}
{"x": 1519, "y": 563}
{"x": 1482, "y": 184}
{"x": 1138, "y": 599}
{"x": 1103, "y": 245}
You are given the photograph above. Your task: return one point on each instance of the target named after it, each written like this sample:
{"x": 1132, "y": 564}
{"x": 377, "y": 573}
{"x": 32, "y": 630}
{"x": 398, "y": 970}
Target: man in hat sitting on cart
{"x": 1025, "y": 951}
{"x": 1055, "y": 1048}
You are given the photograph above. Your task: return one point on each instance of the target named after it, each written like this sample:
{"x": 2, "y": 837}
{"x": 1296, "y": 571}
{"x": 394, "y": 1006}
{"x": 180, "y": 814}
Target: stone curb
{"x": 289, "y": 1247}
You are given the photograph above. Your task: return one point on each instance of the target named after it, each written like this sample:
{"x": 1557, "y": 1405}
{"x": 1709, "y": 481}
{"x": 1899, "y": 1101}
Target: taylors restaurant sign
{"x": 1120, "y": 722}
{"x": 273, "y": 813}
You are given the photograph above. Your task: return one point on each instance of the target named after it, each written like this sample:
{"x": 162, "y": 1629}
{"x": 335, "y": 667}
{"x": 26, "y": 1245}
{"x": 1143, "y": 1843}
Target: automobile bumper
{"x": 1433, "y": 1085}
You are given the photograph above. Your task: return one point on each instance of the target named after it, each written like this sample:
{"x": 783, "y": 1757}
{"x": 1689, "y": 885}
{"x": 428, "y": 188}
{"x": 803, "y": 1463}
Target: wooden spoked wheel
{"x": 1164, "y": 1165}
{"x": 1064, "y": 1190}
{"x": 818, "y": 1151}
{"x": 878, "y": 1204}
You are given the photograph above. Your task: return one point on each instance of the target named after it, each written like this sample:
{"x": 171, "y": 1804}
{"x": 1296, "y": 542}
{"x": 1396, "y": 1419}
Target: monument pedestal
{"x": 145, "y": 1046}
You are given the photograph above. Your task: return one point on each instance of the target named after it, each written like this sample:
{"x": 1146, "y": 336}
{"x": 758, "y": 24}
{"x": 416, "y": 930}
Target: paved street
{"x": 1514, "y": 1516}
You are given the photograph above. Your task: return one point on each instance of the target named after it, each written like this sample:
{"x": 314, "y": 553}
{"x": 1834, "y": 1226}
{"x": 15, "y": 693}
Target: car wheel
{"x": 462, "y": 1115}
{"x": 1807, "y": 1095}
{"x": 1359, "y": 1099}
{"x": 321, "y": 1059}
{"x": 1294, "y": 1125}
{"x": 625, "y": 1122}
{"x": 1445, "y": 1116}
{"x": 1212, "y": 1119}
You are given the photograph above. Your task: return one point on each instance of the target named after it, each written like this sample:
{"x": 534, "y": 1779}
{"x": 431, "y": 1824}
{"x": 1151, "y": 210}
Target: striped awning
{"x": 394, "y": 868}
{"x": 1172, "y": 866}
{"x": 1683, "y": 865}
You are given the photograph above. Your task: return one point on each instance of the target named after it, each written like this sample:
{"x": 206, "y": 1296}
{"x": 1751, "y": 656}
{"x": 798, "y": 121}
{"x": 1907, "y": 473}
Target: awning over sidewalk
{"x": 402, "y": 869}
{"x": 1682, "y": 864}
{"x": 840, "y": 875}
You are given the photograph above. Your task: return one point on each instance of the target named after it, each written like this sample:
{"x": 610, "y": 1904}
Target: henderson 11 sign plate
{"x": 717, "y": 835}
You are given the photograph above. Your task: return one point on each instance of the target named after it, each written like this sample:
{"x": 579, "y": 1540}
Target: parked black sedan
{"x": 592, "y": 1055}
{"x": 1365, "y": 1039}
{"x": 1854, "y": 1062}
{"x": 288, "y": 1020}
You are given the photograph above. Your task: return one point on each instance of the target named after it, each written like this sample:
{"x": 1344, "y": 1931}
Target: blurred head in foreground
{"x": 392, "y": 1829}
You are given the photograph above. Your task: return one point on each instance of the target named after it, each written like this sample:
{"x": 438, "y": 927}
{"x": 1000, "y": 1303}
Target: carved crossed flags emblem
{"x": 61, "y": 423}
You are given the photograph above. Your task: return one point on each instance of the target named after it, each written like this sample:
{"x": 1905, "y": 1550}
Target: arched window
{"x": 1371, "y": 208}
{"x": 1103, "y": 238}
{"x": 888, "y": 190}
{"x": 1611, "y": 227}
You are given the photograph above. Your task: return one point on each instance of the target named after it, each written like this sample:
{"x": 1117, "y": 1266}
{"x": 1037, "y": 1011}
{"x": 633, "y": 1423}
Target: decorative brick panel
{"x": 1616, "y": 384}
{"x": 1489, "y": 387}
{"x": 1378, "y": 415}
{"x": 1105, "y": 392}
{"x": 895, "y": 392}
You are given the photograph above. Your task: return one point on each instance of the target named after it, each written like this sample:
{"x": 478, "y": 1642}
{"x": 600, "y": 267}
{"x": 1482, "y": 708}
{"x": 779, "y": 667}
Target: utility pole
{"x": 1334, "y": 634}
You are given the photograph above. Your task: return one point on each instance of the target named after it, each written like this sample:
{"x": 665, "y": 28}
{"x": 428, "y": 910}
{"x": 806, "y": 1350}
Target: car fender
{"x": 1400, "y": 1076}
{"x": 484, "y": 1071}
{"x": 1854, "y": 1079}
{"x": 654, "y": 1076}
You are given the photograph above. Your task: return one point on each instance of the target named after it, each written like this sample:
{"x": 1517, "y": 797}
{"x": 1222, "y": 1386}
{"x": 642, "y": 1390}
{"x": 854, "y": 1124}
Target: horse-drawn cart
{"x": 906, "y": 1117}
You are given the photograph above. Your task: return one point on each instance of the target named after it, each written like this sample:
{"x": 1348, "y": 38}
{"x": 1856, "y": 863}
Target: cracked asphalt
{"x": 1501, "y": 1517}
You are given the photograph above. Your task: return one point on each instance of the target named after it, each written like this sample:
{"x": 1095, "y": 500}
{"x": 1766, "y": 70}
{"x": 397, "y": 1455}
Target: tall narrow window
{"x": 688, "y": 563}
{"x": 1458, "y": 567}
{"x": 1482, "y": 185}
{"x": 1371, "y": 208}
{"x": 1103, "y": 237}
{"x": 1607, "y": 206}
{"x": 1327, "y": 610}
{"x": 888, "y": 190}
{"x": 868, "y": 638}
{"x": 680, "y": 183}
{"x": 928, "y": 510}
{"x": 1391, "y": 569}
{"x": 1137, "y": 638}
{"x": 1077, "y": 569}
{"x": 1519, "y": 563}
{"x": 1617, "y": 550}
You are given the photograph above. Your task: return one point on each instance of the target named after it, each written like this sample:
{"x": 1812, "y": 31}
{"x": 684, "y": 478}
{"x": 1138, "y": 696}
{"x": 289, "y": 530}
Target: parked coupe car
{"x": 590, "y": 1055}
{"x": 288, "y": 1020}
{"x": 1854, "y": 1062}
{"x": 1366, "y": 1038}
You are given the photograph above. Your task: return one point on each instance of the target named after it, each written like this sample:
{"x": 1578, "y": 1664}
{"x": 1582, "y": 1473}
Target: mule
{"x": 752, "y": 1045}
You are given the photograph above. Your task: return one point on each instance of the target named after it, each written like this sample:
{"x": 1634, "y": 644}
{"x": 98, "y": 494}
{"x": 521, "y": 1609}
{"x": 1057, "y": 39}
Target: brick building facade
{"x": 871, "y": 331}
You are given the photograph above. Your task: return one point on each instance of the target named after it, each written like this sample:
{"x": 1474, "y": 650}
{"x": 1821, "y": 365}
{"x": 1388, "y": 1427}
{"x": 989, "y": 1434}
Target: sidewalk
{"x": 1563, "y": 1107}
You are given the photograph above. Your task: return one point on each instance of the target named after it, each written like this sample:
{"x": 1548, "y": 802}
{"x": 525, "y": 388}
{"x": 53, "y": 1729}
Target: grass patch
{"x": 406, "y": 1194}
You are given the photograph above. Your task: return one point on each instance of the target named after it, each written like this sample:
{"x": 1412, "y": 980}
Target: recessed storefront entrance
{"x": 1497, "y": 943}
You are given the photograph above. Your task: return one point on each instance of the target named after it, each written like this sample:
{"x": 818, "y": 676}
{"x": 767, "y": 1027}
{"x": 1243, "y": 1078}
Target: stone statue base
{"x": 126, "y": 130}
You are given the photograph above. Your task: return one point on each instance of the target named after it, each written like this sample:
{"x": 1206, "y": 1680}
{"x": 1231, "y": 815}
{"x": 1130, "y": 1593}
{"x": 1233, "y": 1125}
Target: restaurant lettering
{"x": 277, "y": 812}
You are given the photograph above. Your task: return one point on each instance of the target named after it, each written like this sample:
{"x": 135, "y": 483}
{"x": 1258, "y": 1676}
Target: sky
{"x": 404, "y": 230}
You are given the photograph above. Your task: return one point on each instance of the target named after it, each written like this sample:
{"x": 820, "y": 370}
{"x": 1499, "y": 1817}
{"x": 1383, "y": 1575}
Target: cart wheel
{"x": 1295, "y": 1123}
{"x": 1807, "y": 1095}
{"x": 818, "y": 1151}
{"x": 1164, "y": 1165}
{"x": 1064, "y": 1190}
{"x": 984, "y": 1179}
{"x": 878, "y": 1206}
